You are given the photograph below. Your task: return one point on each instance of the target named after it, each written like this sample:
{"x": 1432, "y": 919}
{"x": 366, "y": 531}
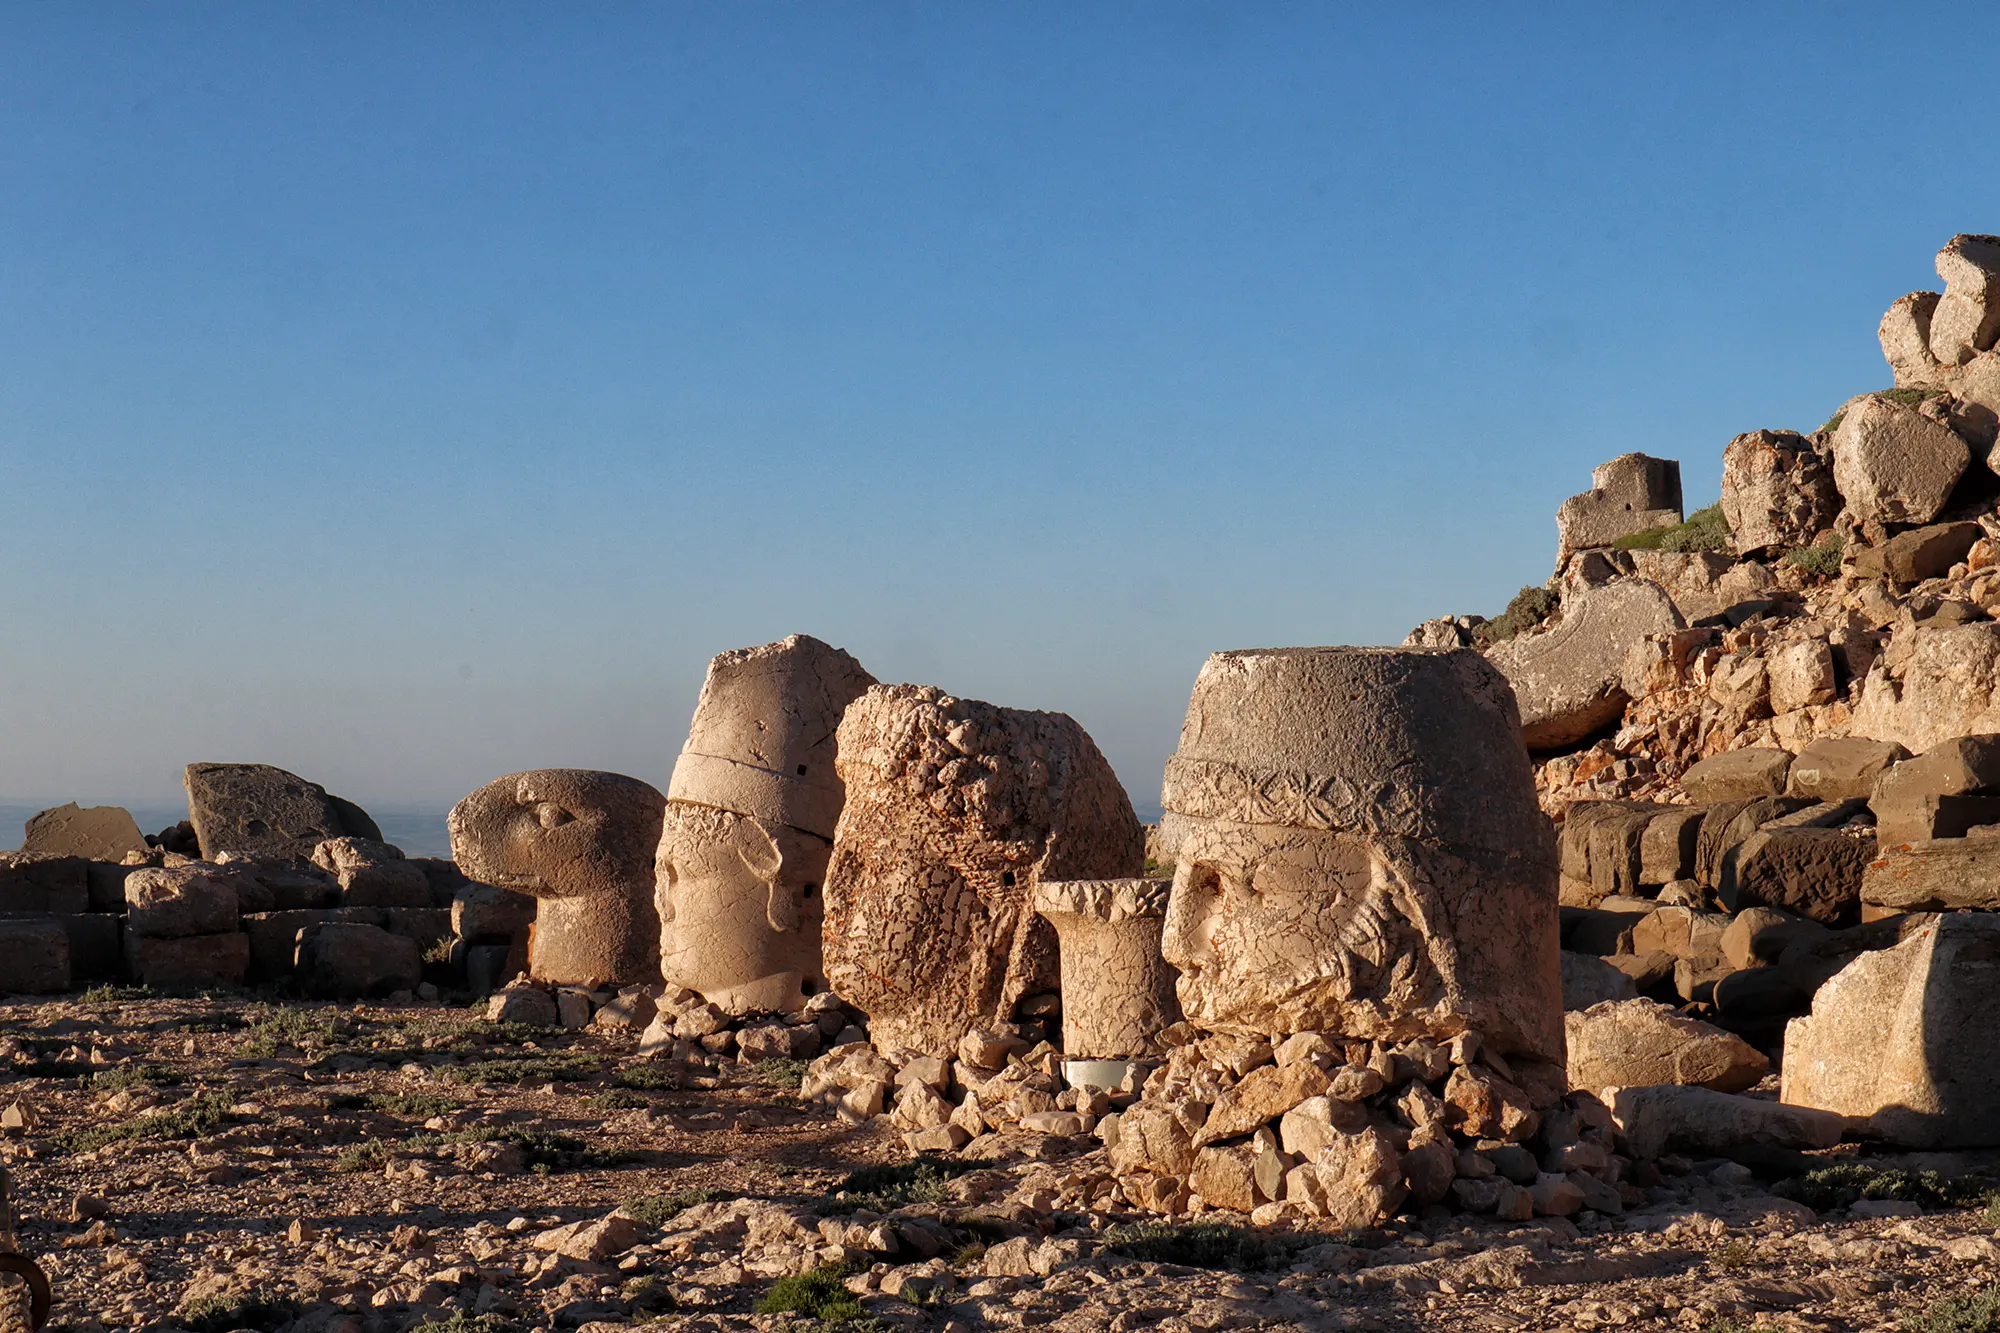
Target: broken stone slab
{"x": 100, "y": 833}
{"x": 1916, "y": 555}
{"x": 1966, "y": 319}
{"x": 1355, "y": 784}
{"x": 1617, "y": 861}
{"x": 256, "y": 810}
{"x": 1667, "y": 847}
{"x": 1703, "y": 584}
{"x": 350, "y": 959}
{"x": 1905, "y": 1038}
{"x": 1941, "y": 793}
{"x": 1839, "y": 768}
{"x": 1261, "y": 1096}
{"x": 1738, "y": 775}
{"x": 956, "y": 810}
{"x": 1777, "y": 492}
{"x": 1892, "y": 464}
{"x": 1704, "y": 1122}
{"x": 1629, "y": 494}
{"x": 274, "y": 936}
{"x": 35, "y": 885}
{"x": 188, "y": 960}
{"x": 1605, "y": 928}
{"x": 1801, "y": 675}
{"x": 1573, "y": 841}
{"x": 34, "y": 957}
{"x": 1809, "y": 963}
{"x": 1814, "y": 872}
{"x": 171, "y": 903}
{"x": 1681, "y": 932}
{"x": 1759, "y": 936}
{"x": 1568, "y": 678}
{"x": 1118, "y": 992}
{"x": 372, "y": 873}
{"x": 1589, "y": 980}
{"x": 1727, "y": 824}
{"x": 1935, "y": 875}
{"x": 582, "y": 842}
{"x": 1945, "y": 684}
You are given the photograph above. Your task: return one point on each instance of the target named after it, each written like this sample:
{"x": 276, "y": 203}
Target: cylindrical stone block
{"x": 1117, "y": 991}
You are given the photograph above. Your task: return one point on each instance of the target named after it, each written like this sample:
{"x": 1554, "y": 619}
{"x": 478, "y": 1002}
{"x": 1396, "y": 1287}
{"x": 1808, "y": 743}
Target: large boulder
{"x": 1777, "y": 491}
{"x": 1629, "y": 1043}
{"x": 1893, "y": 464}
{"x": 1941, "y": 793}
{"x": 1944, "y": 684}
{"x": 1813, "y": 872}
{"x": 1839, "y": 768}
{"x": 100, "y": 833}
{"x": 178, "y": 902}
{"x": 1905, "y": 333}
{"x": 1916, "y": 555}
{"x": 1905, "y": 1038}
{"x": 373, "y": 873}
{"x": 256, "y": 810}
{"x": 352, "y": 959}
{"x": 1703, "y": 1122}
{"x": 1629, "y": 494}
{"x": 1360, "y": 851}
{"x": 1567, "y": 678}
{"x": 956, "y": 810}
{"x": 1588, "y": 980}
{"x": 1738, "y": 775}
{"x": 1938, "y": 875}
{"x": 1966, "y": 320}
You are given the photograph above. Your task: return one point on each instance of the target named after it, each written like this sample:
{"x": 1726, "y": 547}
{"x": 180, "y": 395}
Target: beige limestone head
{"x": 749, "y": 826}
{"x": 1359, "y": 850}
{"x": 581, "y": 841}
{"x": 956, "y": 810}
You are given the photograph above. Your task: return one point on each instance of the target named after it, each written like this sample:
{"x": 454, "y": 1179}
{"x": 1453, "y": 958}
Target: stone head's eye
{"x": 551, "y": 815}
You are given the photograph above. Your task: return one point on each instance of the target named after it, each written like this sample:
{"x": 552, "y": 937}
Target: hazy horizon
{"x": 404, "y": 396}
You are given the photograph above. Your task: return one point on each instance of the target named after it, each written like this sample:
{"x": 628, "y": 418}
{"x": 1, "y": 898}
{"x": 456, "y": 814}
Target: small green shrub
{"x": 1204, "y": 1245}
{"x": 197, "y": 1116}
{"x": 273, "y": 1028}
{"x": 362, "y": 1157}
{"x": 1978, "y": 1313}
{"x": 420, "y": 1105}
{"x": 461, "y": 1322}
{"x": 1704, "y": 530}
{"x": 617, "y": 1099}
{"x": 525, "y": 1069}
{"x": 1733, "y": 1254}
{"x": 1529, "y": 608}
{"x": 819, "y": 1294}
{"x": 134, "y": 1076}
{"x": 1838, "y": 1186}
{"x": 778, "y": 1072}
{"x": 656, "y": 1210}
{"x": 649, "y": 1078}
{"x": 107, "y": 994}
{"x": 1910, "y": 397}
{"x": 221, "y": 1314}
{"x": 1821, "y": 561}
{"x": 884, "y": 1189}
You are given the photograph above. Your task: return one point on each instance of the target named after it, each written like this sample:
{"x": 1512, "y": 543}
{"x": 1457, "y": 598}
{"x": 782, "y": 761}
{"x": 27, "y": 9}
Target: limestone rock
{"x": 1905, "y": 1038}
{"x": 522, "y": 1004}
{"x": 1894, "y": 465}
{"x": 1944, "y": 684}
{"x": 1667, "y": 846}
{"x": 169, "y": 904}
{"x": 1627, "y": 1043}
{"x": 1568, "y": 678}
{"x": 256, "y": 810}
{"x": 1941, "y": 793}
{"x": 351, "y": 959}
{"x": 1916, "y": 555}
{"x": 1801, "y": 675}
{"x": 1702, "y": 1121}
{"x": 956, "y": 810}
{"x": 1814, "y": 872}
{"x": 1118, "y": 992}
{"x": 1838, "y": 768}
{"x": 34, "y": 957}
{"x": 1260, "y": 1097}
{"x": 101, "y": 833}
{"x": 581, "y": 842}
{"x": 1354, "y": 1182}
{"x": 1380, "y": 802}
{"x": 189, "y": 960}
{"x": 1705, "y": 584}
{"x": 1226, "y": 1178}
{"x": 1905, "y": 333}
{"x": 751, "y": 812}
{"x": 1777, "y": 491}
{"x": 35, "y": 885}
{"x": 1487, "y": 1106}
{"x": 1589, "y": 981}
{"x": 1966, "y": 320}
{"x": 1937, "y": 875}
{"x": 1629, "y": 494}
{"x": 1757, "y": 936}
{"x": 1738, "y": 775}
{"x": 372, "y": 873}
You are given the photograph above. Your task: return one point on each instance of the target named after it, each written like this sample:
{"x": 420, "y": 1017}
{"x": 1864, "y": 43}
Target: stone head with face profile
{"x": 741, "y": 864}
{"x": 1359, "y": 851}
{"x": 956, "y": 811}
{"x": 582, "y": 843}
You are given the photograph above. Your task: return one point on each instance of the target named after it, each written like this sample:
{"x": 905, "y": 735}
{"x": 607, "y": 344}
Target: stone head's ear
{"x": 763, "y": 857}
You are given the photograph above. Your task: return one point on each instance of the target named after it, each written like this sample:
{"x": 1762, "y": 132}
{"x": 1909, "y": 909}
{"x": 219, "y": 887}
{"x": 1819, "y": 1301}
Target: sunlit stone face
{"x": 1277, "y": 930}
{"x": 739, "y": 902}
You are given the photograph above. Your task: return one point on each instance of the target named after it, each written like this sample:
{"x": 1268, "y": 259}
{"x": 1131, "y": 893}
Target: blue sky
{"x": 408, "y": 394}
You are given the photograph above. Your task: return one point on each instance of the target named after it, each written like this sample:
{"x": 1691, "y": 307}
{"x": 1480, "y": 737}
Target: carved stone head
{"x": 582, "y": 842}
{"x": 1359, "y": 851}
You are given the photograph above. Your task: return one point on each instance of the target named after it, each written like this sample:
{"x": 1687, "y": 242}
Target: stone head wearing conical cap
{"x": 749, "y": 825}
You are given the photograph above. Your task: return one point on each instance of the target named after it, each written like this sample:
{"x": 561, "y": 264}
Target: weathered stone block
{"x": 274, "y": 936}
{"x": 1936, "y": 875}
{"x": 35, "y": 885}
{"x": 1905, "y": 334}
{"x": 189, "y": 960}
{"x": 96, "y": 946}
{"x": 1939, "y": 794}
{"x": 1737, "y": 775}
{"x": 1966, "y": 320}
{"x": 1814, "y": 872}
{"x": 1616, "y": 850}
{"x": 1777, "y": 491}
{"x": 1703, "y": 1122}
{"x": 1568, "y": 678}
{"x": 1916, "y": 555}
{"x": 1905, "y": 1037}
{"x": 34, "y": 957}
{"x": 172, "y": 903}
{"x": 1589, "y": 980}
{"x": 1667, "y": 847}
{"x": 349, "y": 960}
{"x": 101, "y": 833}
{"x": 1894, "y": 465}
{"x": 1629, "y": 494}
{"x": 1118, "y": 992}
{"x": 1837, "y": 768}
{"x": 256, "y": 810}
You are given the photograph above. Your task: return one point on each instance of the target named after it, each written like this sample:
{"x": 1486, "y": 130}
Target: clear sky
{"x": 406, "y": 394}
